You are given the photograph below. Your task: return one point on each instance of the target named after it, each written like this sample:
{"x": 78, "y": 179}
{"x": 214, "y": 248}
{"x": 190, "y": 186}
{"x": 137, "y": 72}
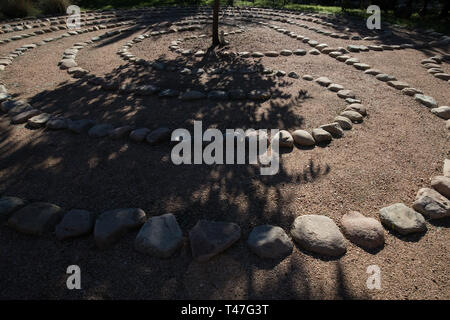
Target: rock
{"x": 75, "y": 223}
{"x": 303, "y": 138}
{"x": 284, "y": 139}
{"x": 323, "y": 81}
{"x": 112, "y": 225}
{"x": 15, "y": 106}
{"x": 399, "y": 85}
{"x": 259, "y": 95}
{"x": 168, "y": 93}
{"x": 442, "y": 185}
{"x": 384, "y": 77}
{"x": 147, "y": 90}
{"x": 446, "y": 167}
{"x": 77, "y": 72}
{"x": 192, "y": 95}
{"x": 160, "y": 236}
{"x": 8, "y": 205}
{"x": 237, "y": 94}
{"x": 363, "y": 231}
{"x": 57, "y": 124}
{"x": 358, "y": 108}
{"x": 320, "y": 135}
{"x": 120, "y": 132}
{"x": 257, "y": 55}
{"x": 344, "y": 94}
{"x": 443, "y": 76}
{"x": 159, "y": 135}
{"x": 354, "y": 116}
{"x": 100, "y": 130}
{"x": 351, "y": 100}
{"x": 402, "y": 219}
{"x": 442, "y": 112}
{"x": 24, "y": 116}
{"x": 139, "y": 135}
{"x": 410, "y": 91}
{"x": 3, "y": 89}
{"x": 293, "y": 75}
{"x": 308, "y": 77}
{"x": 426, "y": 100}
{"x": 209, "y": 238}
{"x": 271, "y": 242}
{"x": 351, "y": 61}
{"x": 218, "y": 95}
{"x": 344, "y": 122}
{"x": 372, "y": 72}
{"x": 361, "y": 66}
{"x": 353, "y": 48}
{"x": 335, "y": 87}
{"x": 67, "y": 64}
{"x": 79, "y": 126}
{"x": 432, "y": 204}
{"x": 36, "y": 218}
{"x": 319, "y": 234}
{"x": 299, "y": 52}
{"x": 334, "y": 129}
{"x": 271, "y": 54}
{"x": 39, "y": 121}
{"x": 314, "y": 52}
{"x": 286, "y": 52}
{"x": 280, "y": 73}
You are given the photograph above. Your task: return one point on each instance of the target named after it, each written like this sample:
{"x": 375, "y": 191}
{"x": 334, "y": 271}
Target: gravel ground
{"x": 397, "y": 150}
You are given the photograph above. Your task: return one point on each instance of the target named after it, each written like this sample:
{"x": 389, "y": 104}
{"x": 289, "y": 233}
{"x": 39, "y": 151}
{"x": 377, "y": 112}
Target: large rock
{"x": 139, "y": 135}
{"x": 334, "y": 129}
{"x": 284, "y": 139}
{"x": 345, "y": 94}
{"x": 209, "y": 238}
{"x": 67, "y": 64}
{"x": 57, "y": 123}
{"x": 79, "y": 126}
{"x": 432, "y": 204}
{"x": 268, "y": 241}
{"x": 8, "y": 205}
{"x": 442, "y": 185}
{"x": 344, "y": 122}
{"x": 318, "y": 234}
{"x": 323, "y": 81}
{"x": 112, "y": 225}
{"x": 39, "y": 120}
{"x": 120, "y": 132}
{"x": 363, "y": 231}
{"x": 426, "y": 100}
{"x": 303, "y": 138}
{"x": 100, "y": 130}
{"x": 358, "y": 108}
{"x": 192, "y": 95}
{"x": 320, "y": 135}
{"x": 159, "y": 135}
{"x": 354, "y": 116}
{"x": 442, "y": 112}
{"x": 402, "y": 219}
{"x": 36, "y": 218}
{"x": 75, "y": 223}
{"x": 160, "y": 236}
{"x": 24, "y": 116}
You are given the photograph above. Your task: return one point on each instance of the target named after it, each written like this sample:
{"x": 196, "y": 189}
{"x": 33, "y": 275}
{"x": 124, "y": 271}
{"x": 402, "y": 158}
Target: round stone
{"x": 100, "y": 130}
{"x": 139, "y": 135}
{"x": 38, "y": 121}
{"x": 321, "y": 136}
{"x": 75, "y": 223}
{"x": 307, "y": 77}
{"x": 284, "y": 139}
{"x": 303, "y": 138}
{"x": 402, "y": 219}
{"x": 344, "y": 122}
{"x": 271, "y": 242}
{"x": 363, "y": 231}
{"x": 442, "y": 112}
{"x": 354, "y": 116}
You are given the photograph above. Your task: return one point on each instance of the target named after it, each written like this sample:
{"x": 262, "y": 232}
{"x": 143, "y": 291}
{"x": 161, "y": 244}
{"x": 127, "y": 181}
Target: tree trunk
{"x": 216, "y": 23}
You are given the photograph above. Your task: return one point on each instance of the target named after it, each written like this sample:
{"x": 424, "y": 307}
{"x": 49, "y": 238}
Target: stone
{"x": 75, "y": 223}
{"x": 79, "y": 126}
{"x": 446, "y": 168}
{"x": 57, "y": 124}
{"x": 114, "y": 224}
{"x": 38, "y": 121}
{"x": 160, "y": 236}
{"x": 11, "y": 105}
{"x": 218, "y": 95}
{"x": 361, "y": 66}
{"x": 77, "y": 72}
{"x": 365, "y": 232}
{"x": 303, "y": 138}
{"x": 293, "y": 75}
{"x": 146, "y": 90}
{"x": 432, "y": 204}
{"x": 237, "y": 94}
{"x": 351, "y": 61}
{"x": 257, "y": 55}
{"x": 426, "y": 100}
{"x": 270, "y": 242}
{"x": 271, "y": 54}
{"x": 402, "y": 219}
{"x": 354, "y": 116}
{"x": 384, "y": 77}
{"x": 4, "y": 96}
{"x": 258, "y": 95}
{"x": 314, "y": 52}
{"x": 192, "y": 95}
{"x": 299, "y": 52}
{"x": 372, "y": 72}
{"x": 410, "y": 91}
{"x": 284, "y": 139}
{"x": 323, "y": 81}
{"x": 399, "y": 85}
{"x": 351, "y": 100}
{"x": 67, "y": 64}
{"x": 209, "y": 238}
{"x": 138, "y": 135}
{"x": 24, "y": 116}
{"x": 335, "y": 87}
{"x": 358, "y": 108}
{"x": 443, "y": 76}
{"x": 320, "y": 135}
{"x": 307, "y": 77}
{"x": 100, "y": 130}
{"x": 319, "y": 234}
{"x": 344, "y": 122}
{"x": 120, "y": 132}
{"x": 442, "y": 185}
{"x": 3, "y": 89}
{"x": 286, "y": 52}
{"x": 36, "y": 218}
{"x": 8, "y": 205}
{"x": 159, "y": 135}
{"x": 442, "y": 112}
{"x": 168, "y": 93}
{"x": 344, "y": 94}
{"x": 334, "y": 129}
{"x": 353, "y": 48}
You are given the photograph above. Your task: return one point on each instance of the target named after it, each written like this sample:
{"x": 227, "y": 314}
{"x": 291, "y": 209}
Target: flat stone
{"x": 146, "y": 90}
{"x": 79, "y": 126}
{"x": 159, "y": 135}
{"x": 257, "y": 55}
{"x": 284, "y": 138}
{"x": 344, "y": 94}
{"x": 271, "y": 242}
{"x": 372, "y": 72}
{"x": 358, "y": 108}
{"x": 67, "y": 64}
{"x": 442, "y": 185}
{"x": 320, "y": 135}
{"x": 286, "y": 52}
{"x": 120, "y": 132}
{"x": 237, "y": 94}
{"x": 334, "y": 129}
{"x": 318, "y": 234}
{"x": 15, "y": 106}
{"x": 36, "y": 218}
{"x": 8, "y": 205}
{"x": 384, "y": 77}
{"x": 314, "y": 52}
{"x": 218, "y": 95}
{"x": 293, "y": 75}
{"x": 271, "y": 54}
{"x": 399, "y": 85}
{"x": 402, "y": 219}
{"x": 410, "y": 91}
{"x": 258, "y": 95}
{"x": 38, "y": 121}
{"x": 308, "y": 77}
{"x": 432, "y": 204}
{"x": 426, "y": 100}
{"x": 209, "y": 238}
{"x": 160, "y": 236}
{"x": 361, "y": 66}
{"x": 442, "y": 112}
{"x": 344, "y": 122}
{"x": 113, "y": 225}
{"x": 323, "y": 81}
{"x": 299, "y": 52}
{"x": 168, "y": 93}
{"x": 363, "y": 231}
{"x": 138, "y": 135}
{"x": 192, "y": 95}
{"x": 75, "y": 223}
{"x": 351, "y": 61}
{"x": 24, "y": 116}
{"x": 443, "y": 76}
{"x": 100, "y": 130}
{"x": 303, "y": 138}
{"x": 57, "y": 124}
{"x": 354, "y": 116}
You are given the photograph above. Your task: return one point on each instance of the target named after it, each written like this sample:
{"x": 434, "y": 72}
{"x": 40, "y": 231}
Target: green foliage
{"x": 17, "y": 8}
{"x": 54, "y": 6}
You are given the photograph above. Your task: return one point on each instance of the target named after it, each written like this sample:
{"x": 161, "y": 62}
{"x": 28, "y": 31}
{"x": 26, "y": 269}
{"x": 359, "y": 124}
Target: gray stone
{"x": 24, "y": 116}
{"x": 112, "y": 225}
{"x": 323, "y": 81}
{"x": 372, "y": 72}
{"x": 443, "y": 76}
{"x": 358, "y": 108}
{"x": 258, "y": 95}
{"x": 271, "y": 242}
{"x": 18, "y": 105}
{"x": 354, "y": 116}
{"x": 320, "y": 135}
{"x": 237, "y": 94}
{"x": 67, "y": 64}
{"x": 218, "y": 95}
{"x": 402, "y": 219}
{"x": 293, "y": 75}
{"x": 344, "y": 122}
{"x": 168, "y": 93}
{"x": 410, "y": 91}
{"x": 344, "y": 94}
{"x": 426, "y": 100}
{"x": 8, "y": 205}
{"x": 442, "y": 112}
{"x": 160, "y": 236}
{"x": 363, "y": 231}
{"x": 120, "y": 132}
{"x": 314, "y": 52}
{"x": 146, "y": 90}
{"x": 57, "y": 124}
{"x": 351, "y": 61}
{"x": 36, "y": 218}
{"x": 192, "y": 95}
{"x": 299, "y": 52}
{"x": 284, "y": 139}
{"x": 139, "y": 135}
{"x": 209, "y": 238}
{"x": 100, "y": 130}
{"x": 399, "y": 85}
{"x": 303, "y": 138}
{"x": 159, "y": 135}
{"x": 271, "y": 54}
{"x": 442, "y": 185}
{"x": 319, "y": 234}
{"x": 432, "y": 204}
{"x": 38, "y": 121}
{"x": 385, "y": 77}
{"x": 334, "y": 129}
{"x": 75, "y": 223}
{"x": 361, "y": 66}
{"x": 308, "y": 77}
{"x": 335, "y": 87}
{"x": 79, "y": 126}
